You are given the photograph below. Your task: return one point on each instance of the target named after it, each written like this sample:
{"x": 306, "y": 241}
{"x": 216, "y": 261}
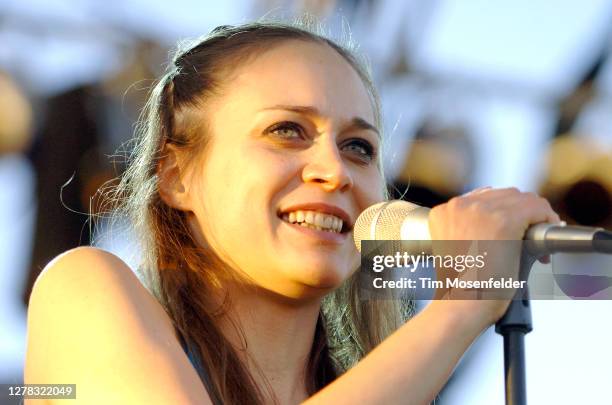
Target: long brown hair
{"x": 180, "y": 273}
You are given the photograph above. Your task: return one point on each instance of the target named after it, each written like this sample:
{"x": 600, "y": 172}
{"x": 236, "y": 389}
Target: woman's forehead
{"x": 301, "y": 73}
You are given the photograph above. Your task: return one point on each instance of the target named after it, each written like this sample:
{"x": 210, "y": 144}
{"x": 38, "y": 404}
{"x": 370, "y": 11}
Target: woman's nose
{"x": 326, "y": 167}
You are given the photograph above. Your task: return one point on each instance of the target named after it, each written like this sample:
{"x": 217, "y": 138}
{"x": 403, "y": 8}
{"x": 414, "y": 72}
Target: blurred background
{"x": 474, "y": 92}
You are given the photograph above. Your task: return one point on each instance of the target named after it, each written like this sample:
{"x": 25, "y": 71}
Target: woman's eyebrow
{"x": 355, "y": 123}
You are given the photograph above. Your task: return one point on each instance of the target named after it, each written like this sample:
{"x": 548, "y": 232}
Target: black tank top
{"x": 201, "y": 370}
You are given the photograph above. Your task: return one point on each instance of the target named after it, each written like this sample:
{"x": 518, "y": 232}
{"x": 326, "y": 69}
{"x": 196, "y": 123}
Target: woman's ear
{"x": 171, "y": 175}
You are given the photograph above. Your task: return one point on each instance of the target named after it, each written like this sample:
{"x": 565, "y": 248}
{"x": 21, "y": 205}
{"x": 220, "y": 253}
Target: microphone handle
{"x": 553, "y": 238}
{"x": 544, "y": 239}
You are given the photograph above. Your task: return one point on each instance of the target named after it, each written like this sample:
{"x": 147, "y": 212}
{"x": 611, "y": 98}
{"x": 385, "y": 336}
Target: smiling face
{"x": 291, "y": 141}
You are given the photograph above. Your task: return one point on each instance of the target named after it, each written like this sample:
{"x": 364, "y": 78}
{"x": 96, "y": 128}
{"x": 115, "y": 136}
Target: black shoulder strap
{"x": 201, "y": 370}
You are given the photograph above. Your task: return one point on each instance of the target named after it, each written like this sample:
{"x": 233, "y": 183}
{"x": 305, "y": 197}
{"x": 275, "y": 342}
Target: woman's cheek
{"x": 371, "y": 191}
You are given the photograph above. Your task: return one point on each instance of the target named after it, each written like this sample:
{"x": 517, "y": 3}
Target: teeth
{"x": 319, "y": 220}
{"x": 314, "y": 220}
{"x": 309, "y": 217}
{"x": 328, "y": 222}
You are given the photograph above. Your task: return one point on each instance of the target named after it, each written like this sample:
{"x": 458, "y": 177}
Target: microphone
{"x": 402, "y": 220}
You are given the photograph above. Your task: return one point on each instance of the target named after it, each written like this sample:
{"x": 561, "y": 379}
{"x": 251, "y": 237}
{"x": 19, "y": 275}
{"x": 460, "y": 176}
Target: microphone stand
{"x": 516, "y": 322}
{"x": 513, "y": 326}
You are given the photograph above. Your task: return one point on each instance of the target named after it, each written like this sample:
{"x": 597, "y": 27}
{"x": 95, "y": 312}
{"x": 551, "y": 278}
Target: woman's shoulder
{"x": 91, "y": 281}
{"x": 82, "y": 262}
{"x": 97, "y": 277}
{"x": 91, "y": 322}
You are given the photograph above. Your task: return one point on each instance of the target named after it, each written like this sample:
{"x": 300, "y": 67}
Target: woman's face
{"x": 291, "y": 162}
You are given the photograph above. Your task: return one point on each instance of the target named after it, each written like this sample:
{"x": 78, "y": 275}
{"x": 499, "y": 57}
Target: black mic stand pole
{"x": 516, "y": 322}
{"x": 513, "y": 326}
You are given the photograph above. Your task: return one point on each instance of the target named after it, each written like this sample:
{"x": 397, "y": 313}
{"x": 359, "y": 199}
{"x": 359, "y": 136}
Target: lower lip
{"x": 331, "y": 237}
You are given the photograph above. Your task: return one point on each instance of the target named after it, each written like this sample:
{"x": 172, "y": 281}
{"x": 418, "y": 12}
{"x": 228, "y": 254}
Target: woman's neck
{"x": 276, "y": 342}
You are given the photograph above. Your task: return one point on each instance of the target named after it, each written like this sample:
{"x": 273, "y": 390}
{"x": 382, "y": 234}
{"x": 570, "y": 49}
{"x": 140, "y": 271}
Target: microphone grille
{"x": 382, "y": 221}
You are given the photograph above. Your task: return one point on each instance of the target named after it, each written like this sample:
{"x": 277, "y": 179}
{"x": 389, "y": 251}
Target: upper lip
{"x": 322, "y": 208}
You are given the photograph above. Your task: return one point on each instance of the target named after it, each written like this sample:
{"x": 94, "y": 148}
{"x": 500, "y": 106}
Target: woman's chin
{"x": 322, "y": 277}
{"x": 308, "y": 275}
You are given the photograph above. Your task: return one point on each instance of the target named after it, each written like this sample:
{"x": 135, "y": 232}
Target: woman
{"x": 258, "y": 151}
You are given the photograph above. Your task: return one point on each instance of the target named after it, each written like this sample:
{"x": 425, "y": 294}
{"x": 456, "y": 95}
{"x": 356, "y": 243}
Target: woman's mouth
{"x": 315, "y": 220}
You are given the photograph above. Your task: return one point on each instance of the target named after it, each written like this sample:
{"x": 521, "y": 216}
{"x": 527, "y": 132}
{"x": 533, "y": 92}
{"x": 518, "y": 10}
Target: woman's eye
{"x": 286, "y": 130}
{"x": 361, "y": 148}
